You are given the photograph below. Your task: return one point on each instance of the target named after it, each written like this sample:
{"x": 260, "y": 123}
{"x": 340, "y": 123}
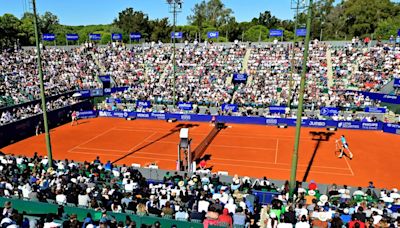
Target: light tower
{"x": 175, "y": 7}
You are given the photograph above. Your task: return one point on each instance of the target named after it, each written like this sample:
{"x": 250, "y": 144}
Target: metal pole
{"x": 293, "y": 55}
{"x": 42, "y": 95}
{"x": 173, "y": 57}
{"x": 300, "y": 106}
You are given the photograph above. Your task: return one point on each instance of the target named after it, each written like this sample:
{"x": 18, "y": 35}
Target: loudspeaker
{"x": 172, "y": 120}
{"x": 331, "y": 128}
{"x": 282, "y": 125}
{"x": 220, "y": 125}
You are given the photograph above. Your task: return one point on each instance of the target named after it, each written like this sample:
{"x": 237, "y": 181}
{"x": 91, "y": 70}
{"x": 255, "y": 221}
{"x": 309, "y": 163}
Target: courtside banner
{"x": 249, "y": 120}
{"x": 391, "y": 128}
{"x": 277, "y": 109}
{"x": 105, "y": 78}
{"x": 48, "y": 37}
{"x": 143, "y": 104}
{"x": 387, "y": 98}
{"x": 72, "y": 37}
{"x": 185, "y": 106}
{"x": 86, "y": 114}
{"x": 96, "y": 92}
{"x": 375, "y": 110}
{"x": 329, "y": 111}
{"x": 107, "y": 91}
{"x": 230, "y": 107}
{"x": 396, "y": 82}
{"x": 85, "y": 93}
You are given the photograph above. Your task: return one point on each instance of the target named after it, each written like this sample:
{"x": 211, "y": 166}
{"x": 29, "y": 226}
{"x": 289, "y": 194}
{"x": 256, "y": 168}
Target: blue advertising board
{"x": 212, "y": 35}
{"x": 396, "y": 82}
{"x": 398, "y": 32}
{"x": 391, "y": 128}
{"x": 107, "y": 91}
{"x": 48, "y": 37}
{"x": 375, "y": 110}
{"x": 96, "y": 92}
{"x": 185, "y": 106}
{"x": 239, "y": 78}
{"x": 86, "y": 114}
{"x": 328, "y": 111}
{"x": 143, "y": 104}
{"x": 301, "y": 32}
{"x": 277, "y": 109}
{"x": 176, "y": 35}
{"x": 135, "y": 36}
{"x": 230, "y": 107}
{"x": 105, "y": 78}
{"x": 275, "y": 32}
{"x": 116, "y": 36}
{"x": 85, "y": 93}
{"x": 94, "y": 36}
{"x": 72, "y": 37}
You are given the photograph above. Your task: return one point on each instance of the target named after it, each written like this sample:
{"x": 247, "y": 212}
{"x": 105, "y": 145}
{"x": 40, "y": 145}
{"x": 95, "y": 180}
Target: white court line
{"x": 130, "y": 156}
{"x": 276, "y": 151}
{"x": 257, "y": 136}
{"x": 91, "y": 139}
{"x": 272, "y": 163}
{"x": 347, "y": 162}
{"x": 87, "y": 148}
{"x": 272, "y": 168}
{"x": 213, "y": 145}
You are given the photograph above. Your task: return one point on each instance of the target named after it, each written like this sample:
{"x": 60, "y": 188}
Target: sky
{"x": 86, "y": 12}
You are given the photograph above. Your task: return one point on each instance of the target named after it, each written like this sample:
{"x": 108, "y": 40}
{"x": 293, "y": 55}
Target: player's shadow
{"x": 174, "y": 130}
{"x": 319, "y": 136}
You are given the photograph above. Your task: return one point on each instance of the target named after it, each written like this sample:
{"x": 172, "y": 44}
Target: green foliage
{"x": 344, "y": 20}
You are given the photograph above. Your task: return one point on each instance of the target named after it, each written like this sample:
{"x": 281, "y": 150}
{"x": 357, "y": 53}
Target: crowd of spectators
{"x": 105, "y": 187}
{"x": 25, "y": 111}
{"x": 205, "y": 71}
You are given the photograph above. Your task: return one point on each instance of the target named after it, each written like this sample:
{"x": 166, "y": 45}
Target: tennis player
{"x": 345, "y": 146}
{"x": 74, "y": 117}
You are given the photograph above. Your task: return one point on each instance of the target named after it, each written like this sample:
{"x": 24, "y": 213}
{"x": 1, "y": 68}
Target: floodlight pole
{"x": 297, "y": 8}
{"x": 301, "y": 99}
{"x": 174, "y": 4}
{"x": 42, "y": 94}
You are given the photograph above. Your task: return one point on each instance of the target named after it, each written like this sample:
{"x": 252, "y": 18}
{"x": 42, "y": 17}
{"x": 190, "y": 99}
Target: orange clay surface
{"x": 247, "y": 150}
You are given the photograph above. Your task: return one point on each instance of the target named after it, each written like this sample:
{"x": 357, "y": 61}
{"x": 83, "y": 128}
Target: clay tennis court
{"x": 247, "y": 150}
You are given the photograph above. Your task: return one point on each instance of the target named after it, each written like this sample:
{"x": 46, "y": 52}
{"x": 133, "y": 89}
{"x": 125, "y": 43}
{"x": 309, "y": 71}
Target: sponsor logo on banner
{"x": 186, "y": 117}
{"x": 119, "y": 114}
{"x": 348, "y": 125}
{"x": 271, "y": 121}
{"x": 160, "y": 116}
{"x": 143, "y": 115}
{"x": 317, "y": 123}
{"x": 107, "y": 90}
{"x": 126, "y": 114}
{"x": 390, "y": 97}
{"x": 105, "y": 113}
{"x": 370, "y": 126}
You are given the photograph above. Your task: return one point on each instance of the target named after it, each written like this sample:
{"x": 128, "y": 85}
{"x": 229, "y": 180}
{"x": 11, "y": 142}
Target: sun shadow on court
{"x": 319, "y": 136}
{"x": 174, "y": 130}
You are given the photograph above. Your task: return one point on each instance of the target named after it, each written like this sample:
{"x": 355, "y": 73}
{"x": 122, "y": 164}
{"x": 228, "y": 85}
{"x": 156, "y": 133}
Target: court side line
{"x": 88, "y": 148}
{"x": 97, "y": 136}
{"x": 347, "y": 162}
{"x": 225, "y": 134}
{"x": 276, "y": 151}
{"x": 262, "y": 167}
{"x": 119, "y": 129}
{"x": 272, "y": 163}
{"x": 131, "y": 156}
{"x": 211, "y": 145}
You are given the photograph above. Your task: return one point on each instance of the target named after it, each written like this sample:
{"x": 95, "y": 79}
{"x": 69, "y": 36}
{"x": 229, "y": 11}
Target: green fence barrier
{"x": 34, "y": 207}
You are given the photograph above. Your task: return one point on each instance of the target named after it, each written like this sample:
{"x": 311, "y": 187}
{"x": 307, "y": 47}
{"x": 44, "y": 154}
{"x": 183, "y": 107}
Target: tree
{"x": 161, "y": 30}
{"x": 256, "y": 33}
{"x": 9, "y": 30}
{"x": 133, "y": 21}
{"x": 48, "y": 23}
{"x": 268, "y": 20}
{"x": 27, "y": 30}
{"x": 199, "y": 16}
